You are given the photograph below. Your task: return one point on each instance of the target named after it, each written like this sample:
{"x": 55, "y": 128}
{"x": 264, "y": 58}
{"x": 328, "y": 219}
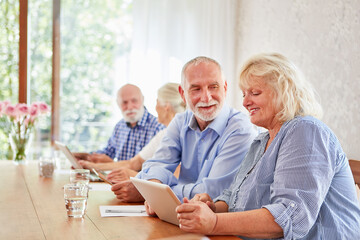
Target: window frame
{"x": 23, "y": 61}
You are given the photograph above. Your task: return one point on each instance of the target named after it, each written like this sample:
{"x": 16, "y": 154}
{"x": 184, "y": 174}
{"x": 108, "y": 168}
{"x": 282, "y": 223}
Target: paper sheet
{"x": 123, "y": 211}
{"x": 99, "y": 187}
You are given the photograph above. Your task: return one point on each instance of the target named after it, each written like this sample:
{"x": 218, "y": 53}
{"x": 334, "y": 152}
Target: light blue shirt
{"x": 303, "y": 179}
{"x": 209, "y": 158}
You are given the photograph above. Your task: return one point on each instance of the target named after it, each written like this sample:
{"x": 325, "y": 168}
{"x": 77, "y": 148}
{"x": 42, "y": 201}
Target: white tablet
{"x": 68, "y": 154}
{"x": 160, "y": 197}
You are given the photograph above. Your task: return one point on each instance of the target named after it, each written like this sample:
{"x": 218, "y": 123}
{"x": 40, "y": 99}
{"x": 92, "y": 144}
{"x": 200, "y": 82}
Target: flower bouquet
{"x": 17, "y": 121}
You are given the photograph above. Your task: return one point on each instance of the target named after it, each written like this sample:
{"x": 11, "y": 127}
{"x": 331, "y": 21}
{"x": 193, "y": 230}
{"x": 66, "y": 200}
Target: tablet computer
{"x": 68, "y": 154}
{"x": 101, "y": 176}
{"x": 160, "y": 197}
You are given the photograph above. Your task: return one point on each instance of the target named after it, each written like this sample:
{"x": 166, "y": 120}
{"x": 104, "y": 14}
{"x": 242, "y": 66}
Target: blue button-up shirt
{"x": 303, "y": 179}
{"x": 126, "y": 142}
{"x": 209, "y": 158}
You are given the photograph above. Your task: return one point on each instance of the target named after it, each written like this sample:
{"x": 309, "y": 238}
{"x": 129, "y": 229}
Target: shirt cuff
{"x": 283, "y": 216}
{"x": 178, "y": 190}
{"x": 158, "y": 174}
{"x": 225, "y": 197}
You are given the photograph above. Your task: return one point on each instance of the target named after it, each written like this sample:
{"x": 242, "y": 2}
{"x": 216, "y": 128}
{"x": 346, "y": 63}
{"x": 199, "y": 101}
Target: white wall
{"x": 323, "y": 39}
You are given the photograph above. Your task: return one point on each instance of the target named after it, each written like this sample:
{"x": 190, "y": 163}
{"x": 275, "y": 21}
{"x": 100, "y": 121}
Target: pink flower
{"x": 34, "y": 110}
{"x": 5, "y": 103}
{"x": 10, "y": 110}
{"x": 3, "y": 107}
{"x": 21, "y": 116}
{"x": 29, "y": 121}
{"x": 43, "y": 107}
{"x": 22, "y": 110}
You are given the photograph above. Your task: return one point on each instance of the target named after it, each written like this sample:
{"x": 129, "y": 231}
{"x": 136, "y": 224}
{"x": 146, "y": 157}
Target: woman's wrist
{"x": 216, "y": 221}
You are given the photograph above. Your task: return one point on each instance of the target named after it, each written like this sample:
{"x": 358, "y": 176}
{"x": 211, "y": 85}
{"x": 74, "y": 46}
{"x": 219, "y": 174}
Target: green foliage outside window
{"x": 9, "y": 55}
{"x": 94, "y": 33}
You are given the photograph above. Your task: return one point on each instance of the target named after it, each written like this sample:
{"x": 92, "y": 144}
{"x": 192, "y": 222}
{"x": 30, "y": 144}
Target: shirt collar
{"x": 262, "y": 136}
{"x": 265, "y": 135}
{"x": 217, "y": 124}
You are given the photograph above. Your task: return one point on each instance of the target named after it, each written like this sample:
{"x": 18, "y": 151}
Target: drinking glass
{"x": 75, "y": 196}
{"x": 46, "y": 166}
{"x": 80, "y": 176}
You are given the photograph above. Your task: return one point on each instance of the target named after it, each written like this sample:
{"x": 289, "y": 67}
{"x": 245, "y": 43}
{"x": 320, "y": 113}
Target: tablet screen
{"x": 68, "y": 154}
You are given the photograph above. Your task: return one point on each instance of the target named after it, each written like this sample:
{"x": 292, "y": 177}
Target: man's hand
{"x": 121, "y": 174}
{"x": 80, "y": 155}
{"x": 99, "y": 158}
{"x": 87, "y": 164}
{"x": 127, "y": 192}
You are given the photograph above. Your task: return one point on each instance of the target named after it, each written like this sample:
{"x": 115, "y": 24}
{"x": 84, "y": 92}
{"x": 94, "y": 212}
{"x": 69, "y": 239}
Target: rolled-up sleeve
{"x": 225, "y": 197}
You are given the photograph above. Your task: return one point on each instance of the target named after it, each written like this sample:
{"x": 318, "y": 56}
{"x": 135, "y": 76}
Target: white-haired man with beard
{"x": 131, "y": 133}
{"x": 209, "y": 140}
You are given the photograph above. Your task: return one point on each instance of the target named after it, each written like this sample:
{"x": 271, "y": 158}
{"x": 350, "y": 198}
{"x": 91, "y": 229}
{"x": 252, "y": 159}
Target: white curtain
{"x": 168, "y": 33}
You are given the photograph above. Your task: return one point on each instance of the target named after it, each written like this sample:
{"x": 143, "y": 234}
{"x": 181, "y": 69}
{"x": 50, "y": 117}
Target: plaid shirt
{"x": 126, "y": 142}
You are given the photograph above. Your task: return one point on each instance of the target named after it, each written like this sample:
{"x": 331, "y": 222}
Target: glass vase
{"x": 20, "y": 143}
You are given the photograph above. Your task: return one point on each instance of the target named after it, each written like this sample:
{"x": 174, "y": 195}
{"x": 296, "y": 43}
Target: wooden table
{"x": 32, "y": 207}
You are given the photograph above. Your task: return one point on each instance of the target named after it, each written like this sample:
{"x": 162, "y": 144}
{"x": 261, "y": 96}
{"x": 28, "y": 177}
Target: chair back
{"x": 355, "y": 169}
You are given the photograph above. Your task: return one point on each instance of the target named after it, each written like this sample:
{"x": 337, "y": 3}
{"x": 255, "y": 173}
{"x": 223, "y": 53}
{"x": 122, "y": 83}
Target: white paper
{"x": 124, "y": 211}
{"x": 100, "y": 187}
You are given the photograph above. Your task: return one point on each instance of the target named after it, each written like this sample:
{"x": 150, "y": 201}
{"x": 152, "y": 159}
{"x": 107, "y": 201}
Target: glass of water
{"x": 46, "y": 166}
{"x": 81, "y": 176}
{"x": 75, "y": 196}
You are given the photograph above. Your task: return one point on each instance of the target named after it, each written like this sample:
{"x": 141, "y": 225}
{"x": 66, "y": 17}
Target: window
{"x": 9, "y": 54}
{"x": 102, "y": 47}
{"x": 95, "y": 45}
{"x": 39, "y": 68}
{"x": 95, "y": 42}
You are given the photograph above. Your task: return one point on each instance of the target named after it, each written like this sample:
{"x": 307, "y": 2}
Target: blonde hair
{"x": 169, "y": 93}
{"x": 294, "y": 96}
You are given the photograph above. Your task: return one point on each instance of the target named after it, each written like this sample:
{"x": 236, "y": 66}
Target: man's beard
{"x": 205, "y": 115}
{"x": 133, "y": 119}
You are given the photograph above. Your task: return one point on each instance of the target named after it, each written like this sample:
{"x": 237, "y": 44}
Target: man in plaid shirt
{"x": 131, "y": 133}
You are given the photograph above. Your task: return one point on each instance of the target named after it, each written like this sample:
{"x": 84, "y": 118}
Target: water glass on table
{"x": 75, "y": 196}
{"x": 81, "y": 176}
{"x": 46, "y": 166}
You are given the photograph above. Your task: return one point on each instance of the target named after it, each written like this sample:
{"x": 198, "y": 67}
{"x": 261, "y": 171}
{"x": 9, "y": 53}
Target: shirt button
{"x": 292, "y": 205}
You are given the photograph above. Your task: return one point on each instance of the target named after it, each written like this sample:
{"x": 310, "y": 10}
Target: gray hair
{"x": 197, "y": 61}
{"x": 169, "y": 93}
{"x": 294, "y": 96}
